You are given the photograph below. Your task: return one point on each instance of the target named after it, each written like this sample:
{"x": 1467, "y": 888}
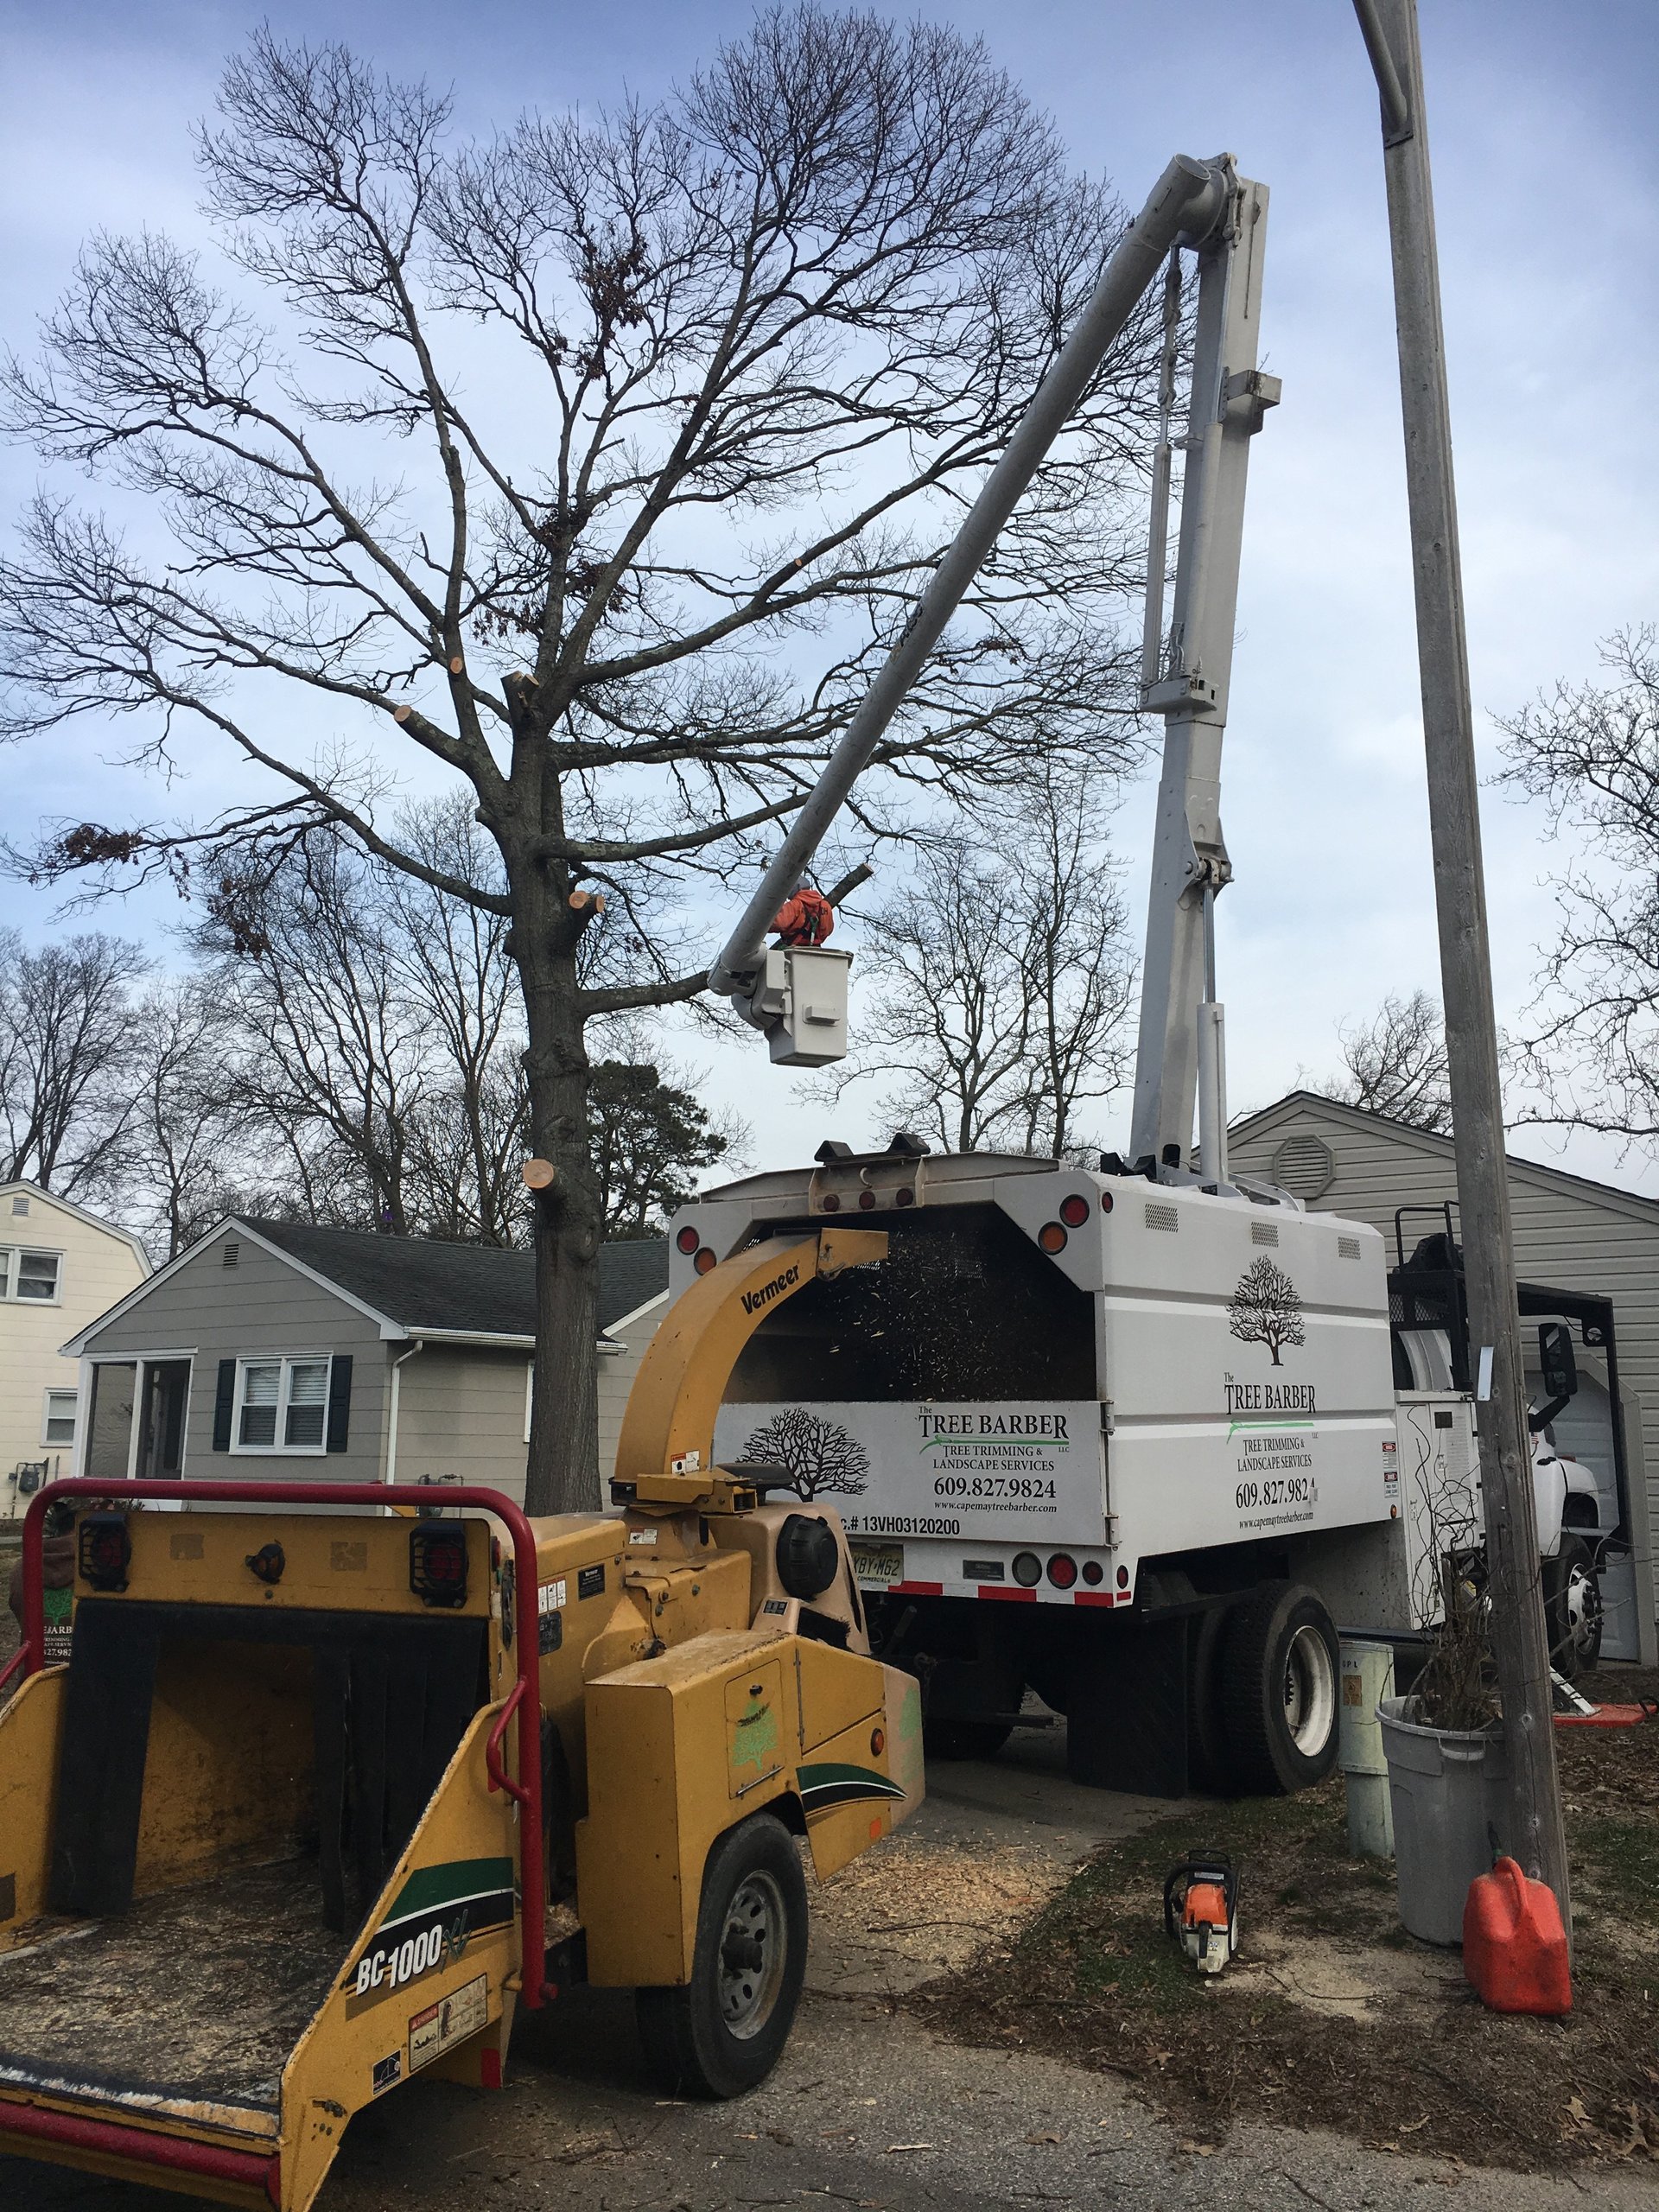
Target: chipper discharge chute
{"x": 316, "y": 1800}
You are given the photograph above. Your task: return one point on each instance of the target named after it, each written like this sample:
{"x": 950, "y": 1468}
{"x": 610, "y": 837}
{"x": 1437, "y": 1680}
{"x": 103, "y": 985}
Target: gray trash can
{"x": 1448, "y": 1791}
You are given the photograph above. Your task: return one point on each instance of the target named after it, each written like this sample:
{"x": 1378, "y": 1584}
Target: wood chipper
{"x": 317, "y": 1799}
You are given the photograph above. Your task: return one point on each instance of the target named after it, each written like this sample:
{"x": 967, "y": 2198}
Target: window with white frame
{"x": 281, "y": 1405}
{"x": 58, "y": 1418}
{"x": 31, "y": 1278}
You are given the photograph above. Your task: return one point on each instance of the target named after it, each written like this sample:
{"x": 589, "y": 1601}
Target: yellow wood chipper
{"x": 306, "y": 1802}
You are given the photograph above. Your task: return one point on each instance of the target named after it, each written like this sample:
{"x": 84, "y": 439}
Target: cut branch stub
{"x": 582, "y": 902}
{"x": 539, "y": 1175}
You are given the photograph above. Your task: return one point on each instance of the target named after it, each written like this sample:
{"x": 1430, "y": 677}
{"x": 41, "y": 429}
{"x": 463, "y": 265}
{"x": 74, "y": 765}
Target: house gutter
{"x": 419, "y": 1344}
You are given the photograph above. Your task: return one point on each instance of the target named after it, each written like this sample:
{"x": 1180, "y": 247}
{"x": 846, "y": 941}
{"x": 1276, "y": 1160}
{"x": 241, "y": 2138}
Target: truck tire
{"x": 964, "y": 1740}
{"x": 1278, "y": 1676}
{"x": 724, "y": 2030}
{"x": 1207, "y": 1727}
{"x": 1573, "y": 1608}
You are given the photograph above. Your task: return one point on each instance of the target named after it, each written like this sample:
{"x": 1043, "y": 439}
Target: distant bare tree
{"x": 1589, "y": 1050}
{"x": 998, "y": 982}
{"x": 761, "y": 342}
{"x": 66, "y": 1049}
{"x": 820, "y": 1455}
{"x": 1396, "y": 1065}
{"x": 185, "y": 1137}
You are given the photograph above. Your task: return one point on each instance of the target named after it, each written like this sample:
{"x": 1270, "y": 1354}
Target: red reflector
{"x": 1062, "y": 1570}
{"x": 866, "y": 1201}
{"x": 904, "y": 1196}
{"x": 1122, "y": 1577}
{"x": 1001, "y": 1590}
{"x": 918, "y": 1589}
{"x": 831, "y": 1202}
{"x": 686, "y": 1239}
{"x": 1052, "y": 1236}
{"x": 105, "y": 1552}
{"x": 1105, "y": 1202}
{"x": 437, "y": 1562}
{"x": 1093, "y": 1570}
{"x": 1074, "y": 1210}
{"x": 705, "y": 1260}
{"x": 1093, "y": 1597}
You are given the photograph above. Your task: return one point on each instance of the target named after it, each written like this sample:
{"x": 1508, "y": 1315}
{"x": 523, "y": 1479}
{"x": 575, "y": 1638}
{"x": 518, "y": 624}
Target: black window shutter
{"x": 224, "y": 1403}
{"x": 340, "y": 1402}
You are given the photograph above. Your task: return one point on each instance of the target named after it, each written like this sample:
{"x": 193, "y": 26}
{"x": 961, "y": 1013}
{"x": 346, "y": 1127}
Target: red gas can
{"x": 1514, "y": 1944}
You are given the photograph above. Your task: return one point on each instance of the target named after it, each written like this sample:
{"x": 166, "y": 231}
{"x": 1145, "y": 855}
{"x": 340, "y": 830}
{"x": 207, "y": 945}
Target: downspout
{"x": 390, "y": 1476}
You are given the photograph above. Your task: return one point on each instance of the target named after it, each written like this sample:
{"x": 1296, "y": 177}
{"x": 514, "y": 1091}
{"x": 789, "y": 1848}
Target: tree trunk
{"x": 564, "y": 1467}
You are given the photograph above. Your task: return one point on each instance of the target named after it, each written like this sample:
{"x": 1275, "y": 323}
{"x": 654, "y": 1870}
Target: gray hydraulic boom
{"x": 1206, "y": 207}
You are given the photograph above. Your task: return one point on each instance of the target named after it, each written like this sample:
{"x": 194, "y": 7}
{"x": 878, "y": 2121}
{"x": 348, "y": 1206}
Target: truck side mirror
{"x": 1556, "y": 1358}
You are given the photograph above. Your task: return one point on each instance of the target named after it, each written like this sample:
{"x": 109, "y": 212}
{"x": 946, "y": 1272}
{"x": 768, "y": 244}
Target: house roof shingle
{"x": 467, "y": 1289}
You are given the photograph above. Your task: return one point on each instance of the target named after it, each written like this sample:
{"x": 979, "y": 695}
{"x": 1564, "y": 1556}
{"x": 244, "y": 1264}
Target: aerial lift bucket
{"x": 262, "y": 1861}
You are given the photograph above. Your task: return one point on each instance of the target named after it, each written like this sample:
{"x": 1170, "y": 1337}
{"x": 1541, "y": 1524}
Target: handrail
{"x": 526, "y": 1697}
{"x": 499, "y": 1778}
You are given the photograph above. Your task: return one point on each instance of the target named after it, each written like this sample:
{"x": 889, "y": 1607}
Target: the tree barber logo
{"x": 755, "y": 1300}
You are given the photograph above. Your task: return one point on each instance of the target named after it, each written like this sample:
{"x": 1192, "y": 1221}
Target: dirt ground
{"x": 1414, "y": 2060}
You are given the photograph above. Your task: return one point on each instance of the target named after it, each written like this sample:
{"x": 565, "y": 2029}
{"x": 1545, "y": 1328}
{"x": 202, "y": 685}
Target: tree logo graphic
{"x": 1265, "y": 1309}
{"x": 819, "y": 1454}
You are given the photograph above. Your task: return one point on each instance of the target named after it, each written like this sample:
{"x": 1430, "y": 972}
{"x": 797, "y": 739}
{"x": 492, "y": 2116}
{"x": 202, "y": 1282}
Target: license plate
{"x": 881, "y": 1564}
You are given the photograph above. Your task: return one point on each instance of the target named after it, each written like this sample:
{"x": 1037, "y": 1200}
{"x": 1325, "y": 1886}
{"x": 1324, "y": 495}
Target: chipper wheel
{"x": 724, "y": 2031}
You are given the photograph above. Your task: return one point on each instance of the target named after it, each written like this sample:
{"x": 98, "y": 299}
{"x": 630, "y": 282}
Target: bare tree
{"x": 187, "y": 1148}
{"x": 1003, "y": 983}
{"x": 761, "y": 342}
{"x": 65, "y": 1045}
{"x": 820, "y": 1455}
{"x": 1266, "y": 1310}
{"x": 1395, "y": 1064}
{"x": 1590, "y": 751}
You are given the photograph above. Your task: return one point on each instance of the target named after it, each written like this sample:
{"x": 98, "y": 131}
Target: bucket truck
{"x": 1130, "y": 1436}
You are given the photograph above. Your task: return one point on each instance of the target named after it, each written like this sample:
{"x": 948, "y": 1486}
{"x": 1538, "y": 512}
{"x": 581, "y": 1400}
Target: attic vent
{"x": 1305, "y": 1166}
{"x": 20, "y": 1205}
{"x": 1264, "y": 1232}
{"x": 1162, "y": 1216}
{"x": 1347, "y": 1247}
{"x": 229, "y": 1255}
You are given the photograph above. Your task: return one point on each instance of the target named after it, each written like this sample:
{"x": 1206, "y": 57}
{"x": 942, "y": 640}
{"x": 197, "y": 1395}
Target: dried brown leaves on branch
{"x": 594, "y": 464}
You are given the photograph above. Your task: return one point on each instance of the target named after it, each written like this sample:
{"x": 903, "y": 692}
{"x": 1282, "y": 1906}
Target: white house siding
{"x": 461, "y": 1415}
{"x": 262, "y": 1305}
{"x": 99, "y": 1266}
{"x": 616, "y": 1373}
{"x": 1570, "y": 1233}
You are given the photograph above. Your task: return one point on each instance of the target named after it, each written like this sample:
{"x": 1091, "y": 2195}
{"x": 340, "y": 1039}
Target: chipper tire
{"x": 725, "y": 2031}
{"x": 1279, "y": 1679}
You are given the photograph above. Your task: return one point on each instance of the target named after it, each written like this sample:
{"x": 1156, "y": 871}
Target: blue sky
{"x": 1540, "y": 119}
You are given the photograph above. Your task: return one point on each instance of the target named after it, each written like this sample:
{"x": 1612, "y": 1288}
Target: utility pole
{"x": 1519, "y": 1642}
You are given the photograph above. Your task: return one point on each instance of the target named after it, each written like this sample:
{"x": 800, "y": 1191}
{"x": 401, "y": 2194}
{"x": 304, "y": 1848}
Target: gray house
{"x": 331, "y": 1354}
{"x": 1571, "y": 1235}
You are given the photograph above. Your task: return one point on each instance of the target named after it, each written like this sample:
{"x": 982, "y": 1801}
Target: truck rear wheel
{"x": 1279, "y": 1675}
{"x": 1573, "y": 1608}
{"x": 964, "y": 1740}
{"x": 725, "y": 2030}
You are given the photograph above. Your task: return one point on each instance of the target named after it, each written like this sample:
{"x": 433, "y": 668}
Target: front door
{"x": 160, "y": 1436}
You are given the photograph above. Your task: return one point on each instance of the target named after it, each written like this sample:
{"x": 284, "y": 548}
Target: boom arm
{"x": 1187, "y": 677}
{"x": 1191, "y": 201}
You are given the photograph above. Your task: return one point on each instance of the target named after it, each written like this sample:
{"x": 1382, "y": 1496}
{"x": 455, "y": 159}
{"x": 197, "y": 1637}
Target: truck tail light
{"x": 1051, "y": 1237}
{"x": 437, "y": 1562}
{"x": 1027, "y": 1569}
{"x": 1093, "y": 1570}
{"x": 1074, "y": 1210}
{"x": 106, "y": 1551}
{"x": 686, "y": 1239}
{"x": 1062, "y": 1570}
{"x": 705, "y": 1260}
